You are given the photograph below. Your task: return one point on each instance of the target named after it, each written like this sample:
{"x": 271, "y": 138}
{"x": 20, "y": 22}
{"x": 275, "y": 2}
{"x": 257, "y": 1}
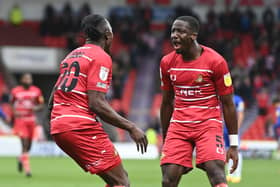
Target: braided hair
{"x": 90, "y": 26}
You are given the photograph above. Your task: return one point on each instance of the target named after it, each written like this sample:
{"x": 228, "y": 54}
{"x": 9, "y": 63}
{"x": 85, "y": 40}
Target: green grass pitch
{"x": 63, "y": 172}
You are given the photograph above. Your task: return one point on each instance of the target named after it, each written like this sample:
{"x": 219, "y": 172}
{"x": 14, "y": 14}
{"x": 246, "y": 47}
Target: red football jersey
{"x": 25, "y": 99}
{"x": 86, "y": 68}
{"x": 197, "y": 85}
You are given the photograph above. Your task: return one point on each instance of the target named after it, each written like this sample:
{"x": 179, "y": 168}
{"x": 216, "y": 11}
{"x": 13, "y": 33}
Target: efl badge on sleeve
{"x": 227, "y": 80}
{"x": 103, "y": 74}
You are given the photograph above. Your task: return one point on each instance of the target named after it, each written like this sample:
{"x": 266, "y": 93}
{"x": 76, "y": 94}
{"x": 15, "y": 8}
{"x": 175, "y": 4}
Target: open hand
{"x": 140, "y": 139}
{"x": 232, "y": 154}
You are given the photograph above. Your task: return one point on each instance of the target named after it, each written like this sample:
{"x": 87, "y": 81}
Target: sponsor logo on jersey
{"x": 103, "y": 74}
{"x": 101, "y": 85}
{"x": 227, "y": 80}
{"x": 190, "y": 92}
{"x": 199, "y": 79}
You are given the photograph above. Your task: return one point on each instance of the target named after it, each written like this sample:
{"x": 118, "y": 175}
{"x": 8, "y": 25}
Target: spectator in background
{"x": 15, "y": 15}
{"x": 225, "y": 18}
{"x": 82, "y": 12}
{"x": 51, "y": 24}
{"x": 211, "y": 26}
{"x": 246, "y": 20}
{"x": 245, "y": 90}
{"x": 263, "y": 101}
{"x": 268, "y": 18}
{"x": 67, "y": 19}
{"x": 236, "y": 19}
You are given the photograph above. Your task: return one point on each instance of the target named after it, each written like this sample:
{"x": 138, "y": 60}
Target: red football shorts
{"x": 179, "y": 146}
{"x": 91, "y": 149}
{"x": 24, "y": 128}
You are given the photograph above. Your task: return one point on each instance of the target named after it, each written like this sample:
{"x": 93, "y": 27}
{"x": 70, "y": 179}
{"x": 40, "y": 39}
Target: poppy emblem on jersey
{"x": 173, "y": 77}
{"x": 227, "y": 80}
{"x": 103, "y": 74}
{"x": 199, "y": 79}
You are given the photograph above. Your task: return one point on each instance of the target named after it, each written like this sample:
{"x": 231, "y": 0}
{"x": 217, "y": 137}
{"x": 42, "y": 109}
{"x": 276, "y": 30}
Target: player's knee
{"x": 217, "y": 176}
{"x": 215, "y": 172}
{"x": 169, "y": 180}
{"x": 122, "y": 181}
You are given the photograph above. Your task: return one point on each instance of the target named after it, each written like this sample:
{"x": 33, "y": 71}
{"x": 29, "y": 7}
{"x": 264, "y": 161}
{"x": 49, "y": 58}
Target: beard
{"x": 107, "y": 49}
{"x": 26, "y": 86}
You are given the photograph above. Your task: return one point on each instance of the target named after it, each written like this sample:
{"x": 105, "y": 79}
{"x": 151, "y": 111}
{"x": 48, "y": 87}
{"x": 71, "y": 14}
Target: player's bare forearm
{"x": 166, "y": 110}
{"x": 165, "y": 116}
{"x": 38, "y": 108}
{"x": 99, "y": 105}
{"x": 229, "y": 112}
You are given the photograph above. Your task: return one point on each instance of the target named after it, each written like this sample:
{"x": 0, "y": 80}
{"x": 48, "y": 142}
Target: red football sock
{"x": 24, "y": 158}
{"x": 222, "y": 185}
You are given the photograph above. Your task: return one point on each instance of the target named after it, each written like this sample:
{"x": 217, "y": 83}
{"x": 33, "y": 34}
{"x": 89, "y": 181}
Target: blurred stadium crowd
{"x": 251, "y": 46}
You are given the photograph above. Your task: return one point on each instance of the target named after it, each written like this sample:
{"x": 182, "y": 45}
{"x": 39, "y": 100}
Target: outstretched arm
{"x": 99, "y": 105}
{"x": 166, "y": 110}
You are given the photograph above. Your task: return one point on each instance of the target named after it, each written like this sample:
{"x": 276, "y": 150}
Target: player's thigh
{"x": 115, "y": 176}
{"x": 94, "y": 152}
{"x": 29, "y": 132}
{"x": 20, "y": 128}
{"x": 177, "y": 150}
{"x": 210, "y": 145}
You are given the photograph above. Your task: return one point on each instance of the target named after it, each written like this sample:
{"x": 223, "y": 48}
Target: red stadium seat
{"x": 166, "y": 47}
{"x": 11, "y": 35}
{"x": 53, "y": 41}
{"x": 158, "y": 26}
{"x": 163, "y": 2}
{"x": 128, "y": 91}
{"x": 256, "y": 130}
{"x": 34, "y": 25}
{"x": 118, "y": 45}
{"x": 156, "y": 105}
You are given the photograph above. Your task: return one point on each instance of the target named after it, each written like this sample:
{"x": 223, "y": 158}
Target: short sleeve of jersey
{"x": 99, "y": 74}
{"x": 164, "y": 75}
{"x": 222, "y": 78}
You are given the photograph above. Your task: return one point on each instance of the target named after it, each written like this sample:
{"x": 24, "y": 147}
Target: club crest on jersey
{"x": 103, "y": 74}
{"x": 173, "y": 77}
{"x": 227, "y": 80}
{"x": 199, "y": 79}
